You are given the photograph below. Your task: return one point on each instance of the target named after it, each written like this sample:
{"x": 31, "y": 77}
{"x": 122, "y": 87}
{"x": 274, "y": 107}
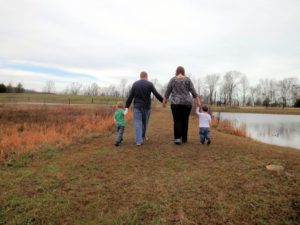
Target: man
{"x": 141, "y": 93}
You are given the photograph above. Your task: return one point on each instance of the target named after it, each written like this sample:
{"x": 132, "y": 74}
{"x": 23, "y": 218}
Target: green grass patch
{"x": 175, "y": 164}
{"x": 50, "y": 152}
{"x": 142, "y": 212}
{"x": 19, "y": 160}
{"x": 51, "y": 168}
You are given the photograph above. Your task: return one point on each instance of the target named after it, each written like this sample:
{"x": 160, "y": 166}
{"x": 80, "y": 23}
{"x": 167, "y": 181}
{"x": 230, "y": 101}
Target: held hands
{"x": 125, "y": 111}
{"x": 164, "y": 103}
{"x": 198, "y": 102}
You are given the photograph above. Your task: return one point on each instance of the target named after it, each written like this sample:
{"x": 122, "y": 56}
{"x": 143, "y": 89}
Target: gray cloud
{"x": 114, "y": 39}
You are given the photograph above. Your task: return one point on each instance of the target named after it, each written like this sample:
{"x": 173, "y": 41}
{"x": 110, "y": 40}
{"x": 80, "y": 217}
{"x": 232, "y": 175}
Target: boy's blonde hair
{"x": 120, "y": 105}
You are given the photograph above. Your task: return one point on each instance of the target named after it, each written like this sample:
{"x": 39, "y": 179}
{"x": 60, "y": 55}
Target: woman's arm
{"x": 192, "y": 89}
{"x": 198, "y": 101}
{"x": 198, "y": 110}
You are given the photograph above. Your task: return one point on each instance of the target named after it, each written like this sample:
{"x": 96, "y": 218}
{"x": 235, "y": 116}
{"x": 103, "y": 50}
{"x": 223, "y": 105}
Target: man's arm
{"x": 130, "y": 97}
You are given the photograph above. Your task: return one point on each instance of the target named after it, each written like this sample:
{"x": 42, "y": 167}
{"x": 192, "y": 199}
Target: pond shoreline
{"x": 270, "y": 110}
{"x": 277, "y": 129}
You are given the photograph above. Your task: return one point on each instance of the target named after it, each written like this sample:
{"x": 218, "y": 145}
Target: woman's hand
{"x": 198, "y": 101}
{"x": 164, "y": 103}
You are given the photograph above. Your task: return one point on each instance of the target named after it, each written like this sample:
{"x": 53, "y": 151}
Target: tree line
{"x": 230, "y": 89}
{"x": 12, "y": 89}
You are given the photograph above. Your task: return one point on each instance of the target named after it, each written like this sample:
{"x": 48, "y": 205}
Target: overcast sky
{"x": 104, "y": 41}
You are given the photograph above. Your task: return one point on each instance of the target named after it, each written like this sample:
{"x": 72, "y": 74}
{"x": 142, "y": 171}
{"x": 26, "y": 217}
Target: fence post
{"x": 69, "y": 101}
{"x": 92, "y": 100}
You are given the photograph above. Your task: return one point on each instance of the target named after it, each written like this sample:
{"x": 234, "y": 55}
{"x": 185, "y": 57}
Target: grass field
{"x": 56, "y": 99}
{"x": 25, "y": 128}
{"x": 93, "y": 182}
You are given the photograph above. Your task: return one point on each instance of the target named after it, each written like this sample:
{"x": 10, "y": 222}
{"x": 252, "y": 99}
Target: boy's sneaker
{"x": 177, "y": 141}
{"x": 117, "y": 144}
{"x": 138, "y": 144}
{"x": 208, "y": 142}
{"x": 145, "y": 139}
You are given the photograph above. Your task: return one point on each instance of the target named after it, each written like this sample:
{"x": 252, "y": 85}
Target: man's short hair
{"x": 143, "y": 74}
{"x": 180, "y": 70}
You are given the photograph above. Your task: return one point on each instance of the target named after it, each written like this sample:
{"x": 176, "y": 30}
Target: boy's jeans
{"x": 119, "y": 135}
{"x": 141, "y": 118}
{"x": 204, "y": 134}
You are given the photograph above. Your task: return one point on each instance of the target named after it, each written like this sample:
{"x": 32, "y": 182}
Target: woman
{"x": 180, "y": 87}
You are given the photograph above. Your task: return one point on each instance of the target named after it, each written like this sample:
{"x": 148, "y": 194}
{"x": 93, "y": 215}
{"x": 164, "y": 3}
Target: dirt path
{"x": 93, "y": 182}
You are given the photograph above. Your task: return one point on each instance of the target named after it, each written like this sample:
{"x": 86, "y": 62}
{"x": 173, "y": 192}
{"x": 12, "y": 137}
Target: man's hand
{"x": 164, "y": 103}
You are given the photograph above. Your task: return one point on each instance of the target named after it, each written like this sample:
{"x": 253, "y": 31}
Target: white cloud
{"x": 115, "y": 39}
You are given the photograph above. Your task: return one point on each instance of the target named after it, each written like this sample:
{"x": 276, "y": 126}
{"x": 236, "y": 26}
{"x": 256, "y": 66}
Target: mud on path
{"x": 94, "y": 182}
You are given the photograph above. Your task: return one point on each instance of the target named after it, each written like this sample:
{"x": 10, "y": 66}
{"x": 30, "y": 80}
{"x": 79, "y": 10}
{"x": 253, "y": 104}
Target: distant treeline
{"x": 12, "y": 89}
{"x": 230, "y": 89}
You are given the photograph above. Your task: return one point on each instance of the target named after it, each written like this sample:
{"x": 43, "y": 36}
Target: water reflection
{"x": 281, "y": 130}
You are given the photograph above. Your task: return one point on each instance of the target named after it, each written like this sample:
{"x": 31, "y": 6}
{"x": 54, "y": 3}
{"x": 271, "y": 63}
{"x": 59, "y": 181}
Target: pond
{"x": 283, "y": 130}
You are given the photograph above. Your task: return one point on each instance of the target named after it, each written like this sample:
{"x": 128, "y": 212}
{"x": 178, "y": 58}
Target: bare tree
{"x": 123, "y": 83}
{"x": 211, "y": 80}
{"x": 252, "y": 91}
{"x": 295, "y": 92}
{"x": 244, "y": 85}
{"x": 199, "y": 85}
{"x": 285, "y": 87}
{"x": 268, "y": 91}
{"x": 75, "y": 88}
{"x": 272, "y": 91}
{"x": 230, "y": 85}
{"x": 94, "y": 89}
{"x": 49, "y": 86}
{"x": 111, "y": 90}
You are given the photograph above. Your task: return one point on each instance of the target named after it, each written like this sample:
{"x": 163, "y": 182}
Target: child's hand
{"x": 125, "y": 111}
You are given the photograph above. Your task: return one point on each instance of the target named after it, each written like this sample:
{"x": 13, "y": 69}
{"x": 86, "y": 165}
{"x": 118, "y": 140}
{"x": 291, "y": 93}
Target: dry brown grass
{"x": 29, "y": 128}
{"x": 158, "y": 183}
{"x": 229, "y": 127}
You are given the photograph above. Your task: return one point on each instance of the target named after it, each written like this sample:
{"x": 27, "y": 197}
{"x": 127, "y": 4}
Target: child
{"x": 204, "y": 124}
{"x": 119, "y": 118}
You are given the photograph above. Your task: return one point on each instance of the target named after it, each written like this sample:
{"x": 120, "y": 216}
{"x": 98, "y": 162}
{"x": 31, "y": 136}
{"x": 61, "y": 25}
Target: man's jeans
{"x": 204, "y": 134}
{"x": 119, "y": 135}
{"x": 141, "y": 118}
